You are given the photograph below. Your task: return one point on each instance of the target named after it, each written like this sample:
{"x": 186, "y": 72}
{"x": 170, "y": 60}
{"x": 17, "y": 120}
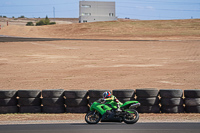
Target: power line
{"x": 40, "y": 5}
{"x": 160, "y": 2}
{"x": 160, "y": 9}
{"x": 38, "y": 12}
{"x": 118, "y": 5}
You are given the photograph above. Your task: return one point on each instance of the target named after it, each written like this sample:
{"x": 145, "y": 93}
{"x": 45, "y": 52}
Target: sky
{"x": 133, "y": 9}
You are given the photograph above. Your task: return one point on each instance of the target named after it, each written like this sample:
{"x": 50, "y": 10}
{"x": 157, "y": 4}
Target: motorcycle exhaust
{"x": 134, "y": 105}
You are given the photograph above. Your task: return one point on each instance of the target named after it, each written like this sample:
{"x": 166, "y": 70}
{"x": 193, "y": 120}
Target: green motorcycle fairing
{"x": 128, "y": 103}
{"x": 102, "y": 108}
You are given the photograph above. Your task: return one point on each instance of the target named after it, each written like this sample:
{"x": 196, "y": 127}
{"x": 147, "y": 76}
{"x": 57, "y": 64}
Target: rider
{"x": 109, "y": 97}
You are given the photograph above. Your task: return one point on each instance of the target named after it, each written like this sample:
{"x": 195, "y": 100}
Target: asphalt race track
{"x": 25, "y": 39}
{"x": 103, "y": 127}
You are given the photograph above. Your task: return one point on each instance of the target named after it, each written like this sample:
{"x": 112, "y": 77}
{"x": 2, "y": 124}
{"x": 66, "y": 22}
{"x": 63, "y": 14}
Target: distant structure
{"x": 93, "y": 11}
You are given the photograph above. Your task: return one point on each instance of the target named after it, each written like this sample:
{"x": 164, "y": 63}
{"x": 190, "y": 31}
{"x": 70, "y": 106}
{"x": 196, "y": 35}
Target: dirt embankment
{"x": 102, "y": 65}
{"x": 121, "y": 29}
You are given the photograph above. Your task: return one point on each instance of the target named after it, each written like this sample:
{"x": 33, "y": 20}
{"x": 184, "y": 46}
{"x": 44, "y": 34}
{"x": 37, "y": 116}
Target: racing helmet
{"x": 106, "y": 94}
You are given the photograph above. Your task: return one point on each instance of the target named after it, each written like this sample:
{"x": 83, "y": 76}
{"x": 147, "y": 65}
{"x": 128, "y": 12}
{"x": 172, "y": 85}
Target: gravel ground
{"x": 99, "y": 65}
{"x": 6, "y": 119}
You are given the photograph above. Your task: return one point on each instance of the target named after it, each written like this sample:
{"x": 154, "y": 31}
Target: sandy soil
{"x": 121, "y": 29}
{"x": 171, "y": 64}
{"x": 100, "y": 65}
{"x": 79, "y": 118}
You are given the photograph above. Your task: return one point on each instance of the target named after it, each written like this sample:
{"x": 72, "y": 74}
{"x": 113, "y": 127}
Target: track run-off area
{"x": 51, "y": 63}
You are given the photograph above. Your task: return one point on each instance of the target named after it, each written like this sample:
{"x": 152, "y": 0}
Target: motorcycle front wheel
{"x": 92, "y": 117}
{"x": 131, "y": 117}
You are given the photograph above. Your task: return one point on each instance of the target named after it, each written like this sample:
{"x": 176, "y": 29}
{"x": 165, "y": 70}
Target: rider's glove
{"x": 103, "y": 100}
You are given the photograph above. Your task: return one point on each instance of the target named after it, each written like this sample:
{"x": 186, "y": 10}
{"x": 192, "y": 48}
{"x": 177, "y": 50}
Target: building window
{"x": 86, "y": 14}
{"x": 111, "y": 14}
{"x": 84, "y": 21}
{"x": 87, "y": 6}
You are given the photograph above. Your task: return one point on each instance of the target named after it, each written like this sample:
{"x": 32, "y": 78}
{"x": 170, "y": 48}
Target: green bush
{"x": 41, "y": 22}
{"x": 29, "y": 24}
{"x": 45, "y": 21}
{"x": 22, "y": 16}
{"x": 52, "y": 23}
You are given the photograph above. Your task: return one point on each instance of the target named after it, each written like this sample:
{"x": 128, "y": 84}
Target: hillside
{"x": 87, "y": 65}
{"x": 121, "y": 29}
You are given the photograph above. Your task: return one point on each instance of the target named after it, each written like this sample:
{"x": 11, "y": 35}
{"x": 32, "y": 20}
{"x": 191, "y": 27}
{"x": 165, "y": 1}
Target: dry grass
{"x": 121, "y": 29}
{"x": 136, "y": 28}
{"x": 102, "y": 65}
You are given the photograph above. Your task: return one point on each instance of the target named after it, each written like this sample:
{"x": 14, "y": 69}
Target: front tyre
{"x": 92, "y": 117}
{"x": 131, "y": 117}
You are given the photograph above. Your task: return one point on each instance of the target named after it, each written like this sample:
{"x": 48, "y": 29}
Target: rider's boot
{"x": 118, "y": 108}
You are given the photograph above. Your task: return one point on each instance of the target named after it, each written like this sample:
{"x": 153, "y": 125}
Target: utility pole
{"x": 54, "y": 13}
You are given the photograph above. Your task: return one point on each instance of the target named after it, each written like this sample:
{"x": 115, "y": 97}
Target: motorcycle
{"x": 107, "y": 112}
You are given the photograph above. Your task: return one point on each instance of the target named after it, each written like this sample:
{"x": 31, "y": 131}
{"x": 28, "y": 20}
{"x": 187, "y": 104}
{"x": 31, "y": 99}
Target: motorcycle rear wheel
{"x": 131, "y": 118}
{"x": 92, "y": 117}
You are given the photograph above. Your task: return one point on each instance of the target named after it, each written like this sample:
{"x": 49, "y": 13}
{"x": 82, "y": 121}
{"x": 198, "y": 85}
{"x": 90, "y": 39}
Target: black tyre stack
{"x": 76, "y": 101}
{"x": 53, "y": 101}
{"x": 8, "y": 101}
{"x": 124, "y": 95}
{"x": 192, "y": 101}
{"x": 29, "y": 101}
{"x": 171, "y": 101}
{"x": 149, "y": 100}
{"x": 95, "y": 95}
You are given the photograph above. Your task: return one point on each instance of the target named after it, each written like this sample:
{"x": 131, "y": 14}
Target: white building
{"x": 93, "y": 11}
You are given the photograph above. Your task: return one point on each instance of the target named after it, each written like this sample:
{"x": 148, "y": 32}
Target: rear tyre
{"x": 92, "y": 117}
{"x": 131, "y": 118}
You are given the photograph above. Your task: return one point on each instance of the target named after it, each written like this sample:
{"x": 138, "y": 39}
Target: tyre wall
{"x": 8, "y": 101}
{"x": 172, "y": 101}
{"x": 78, "y": 101}
{"x": 53, "y": 101}
{"x": 149, "y": 100}
{"x": 29, "y": 101}
{"x": 192, "y": 101}
{"x": 124, "y": 95}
